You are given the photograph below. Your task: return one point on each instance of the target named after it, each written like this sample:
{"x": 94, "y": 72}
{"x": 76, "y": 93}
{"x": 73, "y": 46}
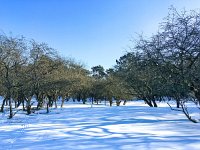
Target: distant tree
{"x": 98, "y": 71}
{"x": 115, "y": 88}
{"x": 140, "y": 76}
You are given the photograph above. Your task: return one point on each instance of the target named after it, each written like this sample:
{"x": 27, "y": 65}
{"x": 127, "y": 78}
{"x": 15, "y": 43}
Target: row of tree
{"x": 162, "y": 67}
{"x": 29, "y": 69}
{"x": 167, "y": 65}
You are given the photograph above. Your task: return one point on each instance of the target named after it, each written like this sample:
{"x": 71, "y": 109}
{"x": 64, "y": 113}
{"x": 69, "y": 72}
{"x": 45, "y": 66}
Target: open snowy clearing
{"x": 80, "y": 127}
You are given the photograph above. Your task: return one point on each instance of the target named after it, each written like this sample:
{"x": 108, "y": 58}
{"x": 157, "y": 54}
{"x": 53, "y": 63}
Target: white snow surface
{"x": 82, "y": 127}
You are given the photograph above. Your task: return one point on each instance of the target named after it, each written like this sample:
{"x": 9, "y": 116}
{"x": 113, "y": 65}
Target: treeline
{"x": 162, "y": 67}
{"x": 30, "y": 69}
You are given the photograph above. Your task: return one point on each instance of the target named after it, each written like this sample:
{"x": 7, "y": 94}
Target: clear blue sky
{"x": 91, "y": 31}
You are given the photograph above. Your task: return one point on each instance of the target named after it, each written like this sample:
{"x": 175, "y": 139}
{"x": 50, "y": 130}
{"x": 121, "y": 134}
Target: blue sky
{"x": 94, "y": 32}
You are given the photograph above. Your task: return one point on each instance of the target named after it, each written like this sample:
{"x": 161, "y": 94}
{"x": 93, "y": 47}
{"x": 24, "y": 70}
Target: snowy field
{"x": 80, "y": 127}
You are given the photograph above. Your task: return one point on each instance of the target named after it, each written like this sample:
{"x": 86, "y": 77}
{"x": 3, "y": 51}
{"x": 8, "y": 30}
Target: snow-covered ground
{"x": 80, "y": 127}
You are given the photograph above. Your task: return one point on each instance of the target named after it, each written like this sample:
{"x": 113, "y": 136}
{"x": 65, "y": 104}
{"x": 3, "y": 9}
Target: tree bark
{"x": 10, "y": 106}
{"x": 125, "y": 101}
{"x": 28, "y": 109}
{"x": 62, "y": 103}
{"x": 47, "y": 107}
{"x": 178, "y": 103}
{"x": 3, "y": 104}
{"x": 118, "y": 102}
{"x": 148, "y": 102}
{"x": 154, "y": 103}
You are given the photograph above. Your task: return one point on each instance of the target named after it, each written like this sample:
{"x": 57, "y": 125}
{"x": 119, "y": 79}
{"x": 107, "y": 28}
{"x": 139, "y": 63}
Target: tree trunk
{"x": 178, "y": 103}
{"x": 39, "y": 105}
{"x": 6, "y": 102}
{"x": 19, "y": 102}
{"x": 124, "y": 103}
{"x": 10, "y": 104}
{"x": 23, "y": 105}
{"x": 148, "y": 102}
{"x": 118, "y": 102}
{"x": 154, "y": 103}
{"x": 56, "y": 106}
{"x": 62, "y": 103}
{"x": 3, "y": 104}
{"x": 28, "y": 109}
{"x": 15, "y": 103}
{"x": 47, "y": 107}
{"x": 110, "y": 102}
{"x": 79, "y": 98}
{"x": 84, "y": 101}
